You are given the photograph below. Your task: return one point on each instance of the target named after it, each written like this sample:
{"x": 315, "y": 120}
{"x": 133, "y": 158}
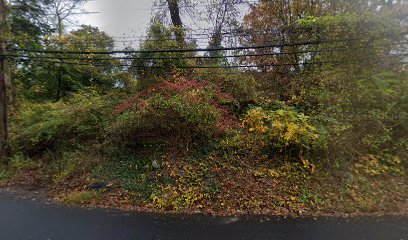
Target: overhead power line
{"x": 182, "y": 50}
{"x": 210, "y": 67}
{"x": 183, "y": 57}
{"x": 323, "y": 50}
{"x": 176, "y": 67}
{"x": 163, "y": 7}
{"x": 226, "y": 34}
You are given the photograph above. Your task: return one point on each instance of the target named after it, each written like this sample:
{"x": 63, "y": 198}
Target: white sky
{"x": 127, "y": 18}
{"x": 118, "y": 17}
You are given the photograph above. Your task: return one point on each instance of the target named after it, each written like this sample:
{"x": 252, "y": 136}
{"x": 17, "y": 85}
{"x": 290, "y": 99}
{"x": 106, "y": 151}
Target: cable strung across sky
{"x": 182, "y": 57}
{"x": 314, "y": 42}
{"x": 212, "y": 67}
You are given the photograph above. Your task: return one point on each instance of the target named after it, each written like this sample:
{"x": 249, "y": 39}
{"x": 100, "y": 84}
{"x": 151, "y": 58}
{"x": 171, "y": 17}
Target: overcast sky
{"x": 128, "y": 18}
{"x": 118, "y": 17}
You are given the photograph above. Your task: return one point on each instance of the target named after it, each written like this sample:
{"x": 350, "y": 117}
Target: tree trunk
{"x": 215, "y": 42}
{"x": 60, "y": 70}
{"x": 176, "y": 20}
{"x": 5, "y": 148}
{"x": 60, "y": 28}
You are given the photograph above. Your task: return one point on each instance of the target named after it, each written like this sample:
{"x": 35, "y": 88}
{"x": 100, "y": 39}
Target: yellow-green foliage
{"x": 176, "y": 198}
{"x": 282, "y": 131}
{"x": 303, "y": 170}
{"x": 188, "y": 189}
{"x": 284, "y": 127}
{"x": 81, "y": 197}
{"x": 375, "y": 165}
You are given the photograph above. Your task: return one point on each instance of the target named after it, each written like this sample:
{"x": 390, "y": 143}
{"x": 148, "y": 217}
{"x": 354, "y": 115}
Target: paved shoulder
{"x": 22, "y": 219}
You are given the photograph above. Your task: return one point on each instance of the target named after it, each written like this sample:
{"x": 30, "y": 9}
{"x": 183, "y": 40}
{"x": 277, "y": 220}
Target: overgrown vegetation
{"x": 310, "y": 129}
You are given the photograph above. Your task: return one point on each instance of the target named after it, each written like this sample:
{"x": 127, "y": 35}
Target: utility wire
{"x": 183, "y": 50}
{"x": 200, "y": 57}
{"x": 232, "y": 34}
{"x": 163, "y": 7}
{"x": 183, "y": 57}
{"x": 208, "y": 67}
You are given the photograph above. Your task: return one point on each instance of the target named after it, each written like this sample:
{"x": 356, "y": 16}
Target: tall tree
{"x": 61, "y": 11}
{"x": 28, "y": 21}
{"x": 222, "y": 16}
{"x": 150, "y": 68}
{"x": 176, "y": 20}
{"x": 42, "y": 80}
{"x": 276, "y": 22}
{"x": 5, "y": 149}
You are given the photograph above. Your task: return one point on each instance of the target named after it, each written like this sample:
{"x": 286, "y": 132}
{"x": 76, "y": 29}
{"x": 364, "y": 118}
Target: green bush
{"x": 242, "y": 86}
{"x": 281, "y": 133}
{"x": 48, "y": 126}
{"x": 72, "y": 164}
{"x": 371, "y": 122}
{"x": 361, "y": 104}
{"x": 171, "y": 113}
{"x": 20, "y": 162}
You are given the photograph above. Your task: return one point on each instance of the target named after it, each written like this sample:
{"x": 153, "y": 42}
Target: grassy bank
{"x": 218, "y": 185}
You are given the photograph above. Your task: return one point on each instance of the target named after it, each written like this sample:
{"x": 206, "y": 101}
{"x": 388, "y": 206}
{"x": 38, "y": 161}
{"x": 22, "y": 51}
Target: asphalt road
{"x": 27, "y": 218}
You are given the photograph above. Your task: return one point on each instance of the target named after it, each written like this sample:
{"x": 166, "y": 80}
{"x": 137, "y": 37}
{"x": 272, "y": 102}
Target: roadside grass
{"x": 19, "y": 163}
{"x": 81, "y": 197}
{"x": 70, "y": 165}
{"x": 6, "y": 174}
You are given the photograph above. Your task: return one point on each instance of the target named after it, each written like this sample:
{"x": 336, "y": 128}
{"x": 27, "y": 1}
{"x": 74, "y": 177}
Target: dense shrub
{"x": 173, "y": 112}
{"x": 362, "y": 101}
{"x": 280, "y": 133}
{"x": 371, "y": 122}
{"x": 48, "y": 126}
{"x": 242, "y": 86}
